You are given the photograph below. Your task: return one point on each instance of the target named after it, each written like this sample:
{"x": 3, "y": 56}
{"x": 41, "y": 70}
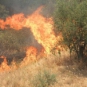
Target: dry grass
{"x": 66, "y": 71}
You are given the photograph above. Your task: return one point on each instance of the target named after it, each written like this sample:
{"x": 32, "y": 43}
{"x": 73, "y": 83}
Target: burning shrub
{"x": 13, "y": 43}
{"x": 44, "y": 79}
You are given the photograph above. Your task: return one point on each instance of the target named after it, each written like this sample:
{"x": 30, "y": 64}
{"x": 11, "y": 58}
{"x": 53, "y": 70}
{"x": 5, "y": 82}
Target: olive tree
{"x": 71, "y": 19}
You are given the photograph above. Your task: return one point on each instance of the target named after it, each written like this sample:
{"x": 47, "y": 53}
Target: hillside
{"x": 68, "y": 74}
{"x": 43, "y": 43}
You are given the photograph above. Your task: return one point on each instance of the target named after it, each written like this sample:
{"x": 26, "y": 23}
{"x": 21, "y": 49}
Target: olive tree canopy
{"x": 71, "y": 19}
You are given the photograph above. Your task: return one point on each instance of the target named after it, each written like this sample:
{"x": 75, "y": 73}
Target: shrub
{"x": 44, "y": 79}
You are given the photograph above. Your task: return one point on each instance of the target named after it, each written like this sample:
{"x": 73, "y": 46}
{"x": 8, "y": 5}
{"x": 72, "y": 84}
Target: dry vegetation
{"x": 68, "y": 73}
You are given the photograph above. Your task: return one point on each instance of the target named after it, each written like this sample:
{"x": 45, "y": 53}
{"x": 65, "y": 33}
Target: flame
{"x": 31, "y": 55}
{"x": 5, "y": 67}
{"x": 42, "y": 29}
{"x": 40, "y": 26}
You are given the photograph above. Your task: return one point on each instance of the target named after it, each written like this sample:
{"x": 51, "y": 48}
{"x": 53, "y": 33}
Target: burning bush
{"x": 13, "y": 43}
{"x": 16, "y": 39}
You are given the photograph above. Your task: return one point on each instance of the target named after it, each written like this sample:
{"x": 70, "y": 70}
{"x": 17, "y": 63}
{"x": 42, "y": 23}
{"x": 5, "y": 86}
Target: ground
{"x": 68, "y": 73}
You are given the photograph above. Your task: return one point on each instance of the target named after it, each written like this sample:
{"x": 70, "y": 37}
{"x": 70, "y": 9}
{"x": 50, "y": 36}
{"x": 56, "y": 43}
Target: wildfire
{"x": 31, "y": 55}
{"x": 5, "y": 67}
{"x": 40, "y": 26}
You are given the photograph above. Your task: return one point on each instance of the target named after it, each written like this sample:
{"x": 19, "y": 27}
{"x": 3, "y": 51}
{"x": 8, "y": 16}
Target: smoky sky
{"x": 28, "y": 6}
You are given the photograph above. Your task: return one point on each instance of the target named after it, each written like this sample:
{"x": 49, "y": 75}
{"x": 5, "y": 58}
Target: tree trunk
{"x": 81, "y": 52}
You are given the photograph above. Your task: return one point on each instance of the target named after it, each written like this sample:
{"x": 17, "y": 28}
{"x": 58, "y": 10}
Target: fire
{"x": 31, "y": 55}
{"x": 40, "y": 26}
{"x": 5, "y": 67}
{"x": 13, "y": 22}
{"x": 42, "y": 29}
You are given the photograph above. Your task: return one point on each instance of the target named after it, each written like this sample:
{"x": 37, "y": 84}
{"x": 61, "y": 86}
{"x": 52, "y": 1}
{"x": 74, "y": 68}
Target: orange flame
{"x": 5, "y": 67}
{"x": 42, "y": 29}
{"x": 31, "y": 54}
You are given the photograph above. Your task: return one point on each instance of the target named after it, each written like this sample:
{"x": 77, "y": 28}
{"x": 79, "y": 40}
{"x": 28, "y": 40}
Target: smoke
{"x": 29, "y": 6}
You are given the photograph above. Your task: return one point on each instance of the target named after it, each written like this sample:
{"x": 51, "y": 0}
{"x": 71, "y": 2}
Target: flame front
{"x": 5, "y": 67}
{"x": 41, "y": 27}
{"x": 31, "y": 54}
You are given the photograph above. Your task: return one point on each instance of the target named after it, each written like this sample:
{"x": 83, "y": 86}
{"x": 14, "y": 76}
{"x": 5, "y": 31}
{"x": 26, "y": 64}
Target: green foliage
{"x": 44, "y": 79}
{"x": 71, "y": 19}
{"x": 3, "y": 12}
